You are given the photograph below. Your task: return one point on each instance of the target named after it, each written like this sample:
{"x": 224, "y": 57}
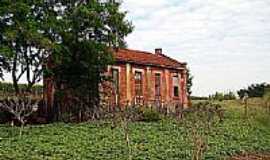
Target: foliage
{"x": 3, "y": 66}
{"x": 74, "y": 39}
{"x": 201, "y": 117}
{"x": 222, "y": 96}
{"x": 150, "y": 115}
{"x": 166, "y": 139}
{"x": 7, "y": 89}
{"x": 135, "y": 113}
{"x": 266, "y": 95}
{"x": 266, "y": 98}
{"x": 4, "y": 116}
{"x": 254, "y": 90}
{"x": 199, "y": 98}
{"x": 90, "y": 31}
{"x": 20, "y": 108}
{"x": 23, "y": 46}
{"x": 189, "y": 82}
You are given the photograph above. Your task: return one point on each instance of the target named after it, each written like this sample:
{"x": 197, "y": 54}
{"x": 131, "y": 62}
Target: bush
{"x": 4, "y": 117}
{"x": 135, "y": 114}
{"x": 8, "y": 89}
{"x": 149, "y": 115}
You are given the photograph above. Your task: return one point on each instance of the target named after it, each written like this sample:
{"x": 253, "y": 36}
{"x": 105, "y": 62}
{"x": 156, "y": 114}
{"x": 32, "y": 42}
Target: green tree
{"x": 189, "y": 83}
{"x": 241, "y": 93}
{"x": 229, "y": 96}
{"x": 23, "y": 46}
{"x": 3, "y": 66}
{"x": 218, "y": 96}
{"x": 90, "y": 31}
{"x": 254, "y": 90}
{"x": 74, "y": 38}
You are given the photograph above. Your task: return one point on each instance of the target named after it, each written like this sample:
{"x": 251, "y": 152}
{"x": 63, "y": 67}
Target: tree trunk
{"x": 22, "y": 126}
{"x": 14, "y": 78}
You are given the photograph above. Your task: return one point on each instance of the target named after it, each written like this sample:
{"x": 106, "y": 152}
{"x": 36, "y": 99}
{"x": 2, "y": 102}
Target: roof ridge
{"x": 134, "y": 50}
{"x": 164, "y": 55}
{"x": 157, "y": 59}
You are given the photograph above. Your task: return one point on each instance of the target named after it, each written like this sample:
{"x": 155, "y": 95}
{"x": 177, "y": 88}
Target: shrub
{"x": 7, "y": 89}
{"x": 150, "y": 115}
{"x": 20, "y": 108}
{"x": 4, "y": 117}
{"x": 135, "y": 113}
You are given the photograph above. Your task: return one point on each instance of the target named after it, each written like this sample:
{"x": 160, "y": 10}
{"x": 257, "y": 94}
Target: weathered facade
{"x": 140, "y": 77}
{"x": 148, "y": 79}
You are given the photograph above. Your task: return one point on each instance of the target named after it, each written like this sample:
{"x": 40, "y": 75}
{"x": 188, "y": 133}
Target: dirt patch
{"x": 256, "y": 156}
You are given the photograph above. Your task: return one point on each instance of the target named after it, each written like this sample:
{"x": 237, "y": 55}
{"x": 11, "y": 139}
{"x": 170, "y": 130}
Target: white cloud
{"x": 225, "y": 42}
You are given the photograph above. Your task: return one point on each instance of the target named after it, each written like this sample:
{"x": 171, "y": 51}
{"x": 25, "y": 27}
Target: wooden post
{"x": 245, "y": 99}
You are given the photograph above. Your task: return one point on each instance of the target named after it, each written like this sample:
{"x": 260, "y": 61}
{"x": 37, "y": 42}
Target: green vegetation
{"x": 7, "y": 89}
{"x": 189, "y": 82}
{"x": 266, "y": 98}
{"x": 71, "y": 41}
{"x": 254, "y": 90}
{"x": 222, "y": 96}
{"x": 217, "y": 96}
{"x": 149, "y": 115}
{"x": 165, "y": 139}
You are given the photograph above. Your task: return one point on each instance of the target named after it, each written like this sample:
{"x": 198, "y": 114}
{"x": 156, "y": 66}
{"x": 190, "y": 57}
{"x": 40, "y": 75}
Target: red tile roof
{"x": 147, "y": 58}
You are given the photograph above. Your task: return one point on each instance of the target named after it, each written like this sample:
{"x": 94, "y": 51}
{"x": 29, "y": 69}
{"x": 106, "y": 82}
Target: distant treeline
{"x": 199, "y": 98}
{"x": 8, "y": 88}
{"x": 222, "y": 96}
{"x": 217, "y": 96}
{"x": 254, "y": 90}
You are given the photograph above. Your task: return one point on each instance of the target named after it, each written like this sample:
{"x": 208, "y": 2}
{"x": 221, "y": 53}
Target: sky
{"x": 226, "y": 43}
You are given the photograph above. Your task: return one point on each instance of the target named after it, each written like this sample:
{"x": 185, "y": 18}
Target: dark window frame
{"x": 116, "y": 83}
{"x": 138, "y": 83}
{"x": 176, "y": 91}
{"x": 157, "y": 85}
{"x": 176, "y": 86}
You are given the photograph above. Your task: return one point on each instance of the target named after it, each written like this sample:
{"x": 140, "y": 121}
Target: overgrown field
{"x": 166, "y": 139}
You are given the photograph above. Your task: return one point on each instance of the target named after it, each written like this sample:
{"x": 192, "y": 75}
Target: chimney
{"x": 158, "y": 51}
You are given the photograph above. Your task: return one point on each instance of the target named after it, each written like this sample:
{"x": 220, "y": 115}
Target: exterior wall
{"x": 127, "y": 85}
{"x": 122, "y": 69}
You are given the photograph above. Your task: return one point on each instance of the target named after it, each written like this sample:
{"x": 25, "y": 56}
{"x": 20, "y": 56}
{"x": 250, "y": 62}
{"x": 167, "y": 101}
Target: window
{"x": 176, "y": 86}
{"x": 138, "y": 84}
{"x": 157, "y": 85}
{"x": 115, "y": 79}
{"x": 176, "y": 91}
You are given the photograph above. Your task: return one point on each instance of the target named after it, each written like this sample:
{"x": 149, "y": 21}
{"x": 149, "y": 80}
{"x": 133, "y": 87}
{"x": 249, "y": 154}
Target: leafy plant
{"x": 201, "y": 120}
{"x": 7, "y": 90}
{"x": 150, "y": 115}
{"x": 166, "y": 139}
{"x": 90, "y": 31}
{"x": 254, "y": 90}
{"x": 23, "y": 44}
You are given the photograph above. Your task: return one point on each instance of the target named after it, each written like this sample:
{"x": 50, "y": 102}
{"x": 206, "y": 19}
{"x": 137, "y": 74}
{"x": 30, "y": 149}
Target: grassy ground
{"x": 167, "y": 139}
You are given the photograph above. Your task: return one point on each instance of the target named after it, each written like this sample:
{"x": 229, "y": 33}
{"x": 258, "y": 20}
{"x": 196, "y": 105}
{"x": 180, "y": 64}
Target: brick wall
{"x": 127, "y": 85}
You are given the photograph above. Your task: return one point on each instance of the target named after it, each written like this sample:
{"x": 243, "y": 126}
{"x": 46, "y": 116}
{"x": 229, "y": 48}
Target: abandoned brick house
{"x": 144, "y": 78}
